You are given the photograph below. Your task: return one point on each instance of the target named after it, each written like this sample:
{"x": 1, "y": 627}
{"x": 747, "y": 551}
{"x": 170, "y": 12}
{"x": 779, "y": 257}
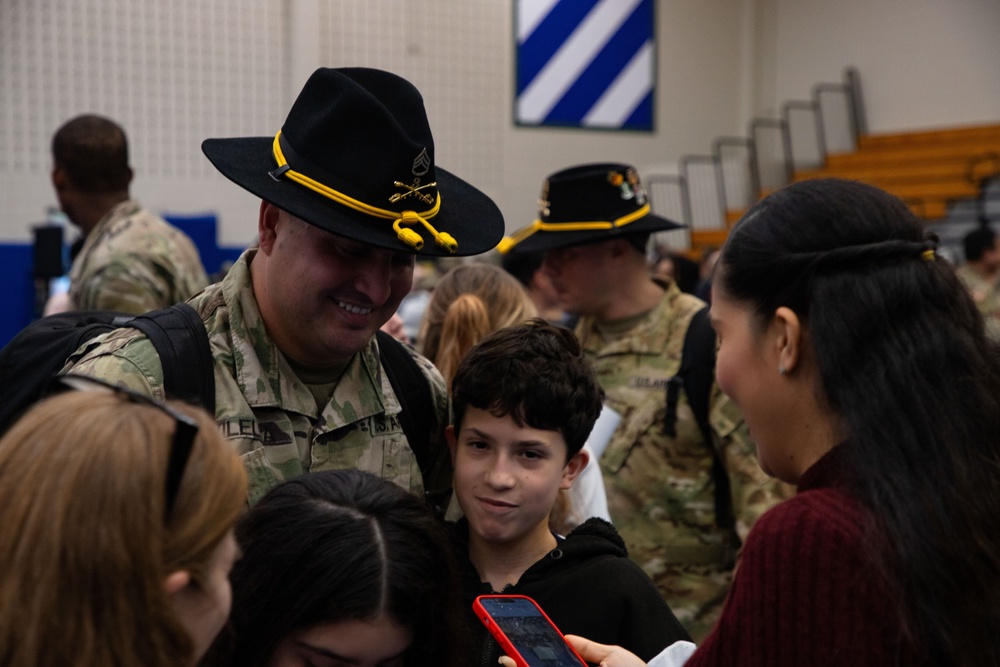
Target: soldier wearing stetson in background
{"x": 350, "y": 193}
{"x": 679, "y": 493}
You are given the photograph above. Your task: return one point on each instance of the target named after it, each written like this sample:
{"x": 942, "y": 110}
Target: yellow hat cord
{"x": 509, "y": 242}
{"x": 406, "y": 235}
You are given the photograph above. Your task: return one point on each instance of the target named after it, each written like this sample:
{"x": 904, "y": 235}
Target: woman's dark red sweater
{"x": 805, "y": 593}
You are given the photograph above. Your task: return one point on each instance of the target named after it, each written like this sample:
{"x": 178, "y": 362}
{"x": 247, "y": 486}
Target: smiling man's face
{"x": 323, "y": 296}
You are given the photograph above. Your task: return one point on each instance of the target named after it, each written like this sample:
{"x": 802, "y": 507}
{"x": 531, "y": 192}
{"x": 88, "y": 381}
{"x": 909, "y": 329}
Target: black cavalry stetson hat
{"x": 356, "y": 157}
{"x": 586, "y": 204}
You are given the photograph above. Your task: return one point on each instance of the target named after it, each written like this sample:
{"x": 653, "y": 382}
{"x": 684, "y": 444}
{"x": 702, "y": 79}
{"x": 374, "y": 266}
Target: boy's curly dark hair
{"x": 536, "y": 374}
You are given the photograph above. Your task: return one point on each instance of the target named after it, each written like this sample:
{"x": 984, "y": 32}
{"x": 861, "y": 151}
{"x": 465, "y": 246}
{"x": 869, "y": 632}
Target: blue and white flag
{"x": 586, "y": 63}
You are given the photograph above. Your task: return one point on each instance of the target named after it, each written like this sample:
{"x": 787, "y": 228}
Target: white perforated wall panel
{"x": 456, "y": 52}
{"x": 174, "y": 72}
{"x": 171, "y": 72}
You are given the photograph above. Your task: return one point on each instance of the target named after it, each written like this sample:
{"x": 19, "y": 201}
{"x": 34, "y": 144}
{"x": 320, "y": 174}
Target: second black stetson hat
{"x": 586, "y": 204}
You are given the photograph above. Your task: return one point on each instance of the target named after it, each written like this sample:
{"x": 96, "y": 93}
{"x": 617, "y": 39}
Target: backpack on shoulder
{"x": 30, "y": 361}
{"x": 414, "y": 394}
{"x": 696, "y": 376}
{"x": 39, "y": 351}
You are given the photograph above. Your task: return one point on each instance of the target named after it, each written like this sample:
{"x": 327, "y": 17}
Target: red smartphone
{"x": 524, "y": 631}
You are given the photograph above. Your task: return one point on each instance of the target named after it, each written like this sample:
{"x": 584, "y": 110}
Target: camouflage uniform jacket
{"x": 270, "y": 416}
{"x": 660, "y": 488}
{"x": 986, "y": 294}
{"x": 133, "y": 261}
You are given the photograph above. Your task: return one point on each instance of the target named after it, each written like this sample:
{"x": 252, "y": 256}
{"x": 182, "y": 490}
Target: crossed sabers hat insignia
{"x": 413, "y": 190}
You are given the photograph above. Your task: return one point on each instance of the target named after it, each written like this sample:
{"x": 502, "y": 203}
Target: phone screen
{"x": 530, "y": 632}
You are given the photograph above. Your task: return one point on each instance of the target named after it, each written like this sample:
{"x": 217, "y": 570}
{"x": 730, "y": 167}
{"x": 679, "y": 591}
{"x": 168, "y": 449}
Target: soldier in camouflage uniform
{"x": 131, "y": 260}
{"x": 981, "y": 275}
{"x": 299, "y": 382}
{"x": 594, "y": 223}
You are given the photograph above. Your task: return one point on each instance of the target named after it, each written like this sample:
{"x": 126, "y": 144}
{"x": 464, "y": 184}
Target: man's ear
{"x": 59, "y": 179}
{"x": 788, "y": 338}
{"x": 452, "y": 438}
{"x": 177, "y": 581}
{"x": 620, "y": 248}
{"x": 573, "y": 468}
{"x": 267, "y": 225}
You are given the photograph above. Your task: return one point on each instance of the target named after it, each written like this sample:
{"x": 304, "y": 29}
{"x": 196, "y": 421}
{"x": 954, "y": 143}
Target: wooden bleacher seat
{"x": 927, "y": 169}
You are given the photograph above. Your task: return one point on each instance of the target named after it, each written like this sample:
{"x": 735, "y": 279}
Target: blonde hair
{"x": 86, "y": 549}
{"x": 469, "y": 302}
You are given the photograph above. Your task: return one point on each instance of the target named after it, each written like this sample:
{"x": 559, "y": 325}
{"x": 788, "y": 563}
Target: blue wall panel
{"x": 18, "y": 307}
{"x": 585, "y": 63}
{"x": 18, "y": 303}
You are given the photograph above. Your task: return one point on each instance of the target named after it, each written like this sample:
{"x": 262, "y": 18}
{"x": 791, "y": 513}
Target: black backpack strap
{"x": 696, "y": 376}
{"x": 38, "y": 352}
{"x": 414, "y": 394}
{"x": 698, "y": 367}
{"x": 181, "y": 341}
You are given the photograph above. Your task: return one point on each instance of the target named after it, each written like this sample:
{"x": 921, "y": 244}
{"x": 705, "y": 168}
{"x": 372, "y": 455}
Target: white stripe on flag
{"x": 629, "y": 88}
{"x": 529, "y": 14}
{"x": 572, "y": 58}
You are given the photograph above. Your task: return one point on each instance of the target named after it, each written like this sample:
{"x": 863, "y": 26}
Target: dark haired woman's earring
{"x": 781, "y": 370}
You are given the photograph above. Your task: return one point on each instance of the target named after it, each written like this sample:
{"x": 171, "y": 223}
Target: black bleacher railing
{"x": 670, "y": 193}
{"x": 712, "y": 188}
{"x": 740, "y": 179}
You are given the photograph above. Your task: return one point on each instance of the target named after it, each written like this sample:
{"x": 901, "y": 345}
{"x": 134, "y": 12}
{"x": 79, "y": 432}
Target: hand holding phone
{"x": 525, "y": 632}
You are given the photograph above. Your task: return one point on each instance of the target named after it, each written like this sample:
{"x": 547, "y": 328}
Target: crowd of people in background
{"x": 782, "y": 452}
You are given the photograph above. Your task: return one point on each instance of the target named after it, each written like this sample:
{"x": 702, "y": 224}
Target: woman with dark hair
{"x": 864, "y": 373}
{"x": 342, "y": 567}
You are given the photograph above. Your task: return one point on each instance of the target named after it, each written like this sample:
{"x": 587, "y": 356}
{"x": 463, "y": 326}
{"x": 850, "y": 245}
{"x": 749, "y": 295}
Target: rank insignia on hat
{"x": 421, "y": 163}
{"x": 629, "y": 186}
{"x": 633, "y": 180}
{"x": 543, "y": 201}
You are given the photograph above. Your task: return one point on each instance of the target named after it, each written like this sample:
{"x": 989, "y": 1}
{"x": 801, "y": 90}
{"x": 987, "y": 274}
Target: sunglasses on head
{"x": 184, "y": 433}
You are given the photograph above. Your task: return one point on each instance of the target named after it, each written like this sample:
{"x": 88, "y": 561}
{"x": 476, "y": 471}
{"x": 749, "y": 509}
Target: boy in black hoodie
{"x": 525, "y": 401}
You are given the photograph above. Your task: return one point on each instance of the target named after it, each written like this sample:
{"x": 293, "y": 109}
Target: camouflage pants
{"x": 695, "y": 593}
